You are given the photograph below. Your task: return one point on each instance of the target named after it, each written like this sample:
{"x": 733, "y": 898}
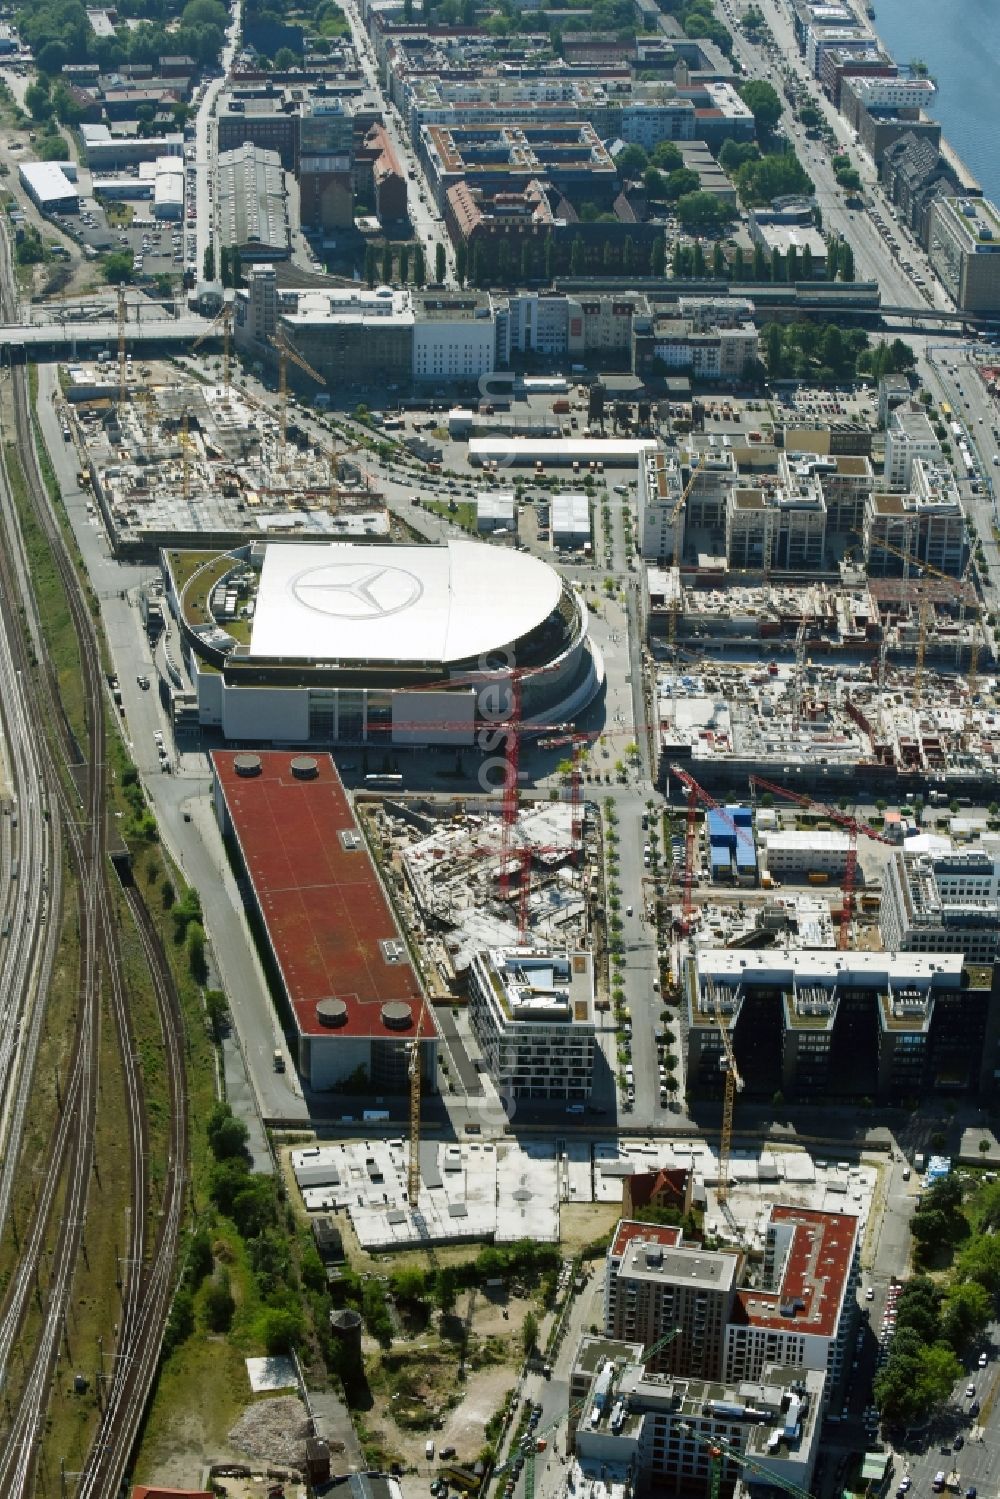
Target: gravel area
{"x": 274, "y": 1430}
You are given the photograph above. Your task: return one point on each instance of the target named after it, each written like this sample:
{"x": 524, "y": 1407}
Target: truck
{"x": 817, "y": 877}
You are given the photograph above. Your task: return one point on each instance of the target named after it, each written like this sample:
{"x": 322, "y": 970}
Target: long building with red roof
{"x": 351, "y": 989}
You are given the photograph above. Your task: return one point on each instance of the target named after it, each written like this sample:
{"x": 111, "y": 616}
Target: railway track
{"x": 148, "y": 1268}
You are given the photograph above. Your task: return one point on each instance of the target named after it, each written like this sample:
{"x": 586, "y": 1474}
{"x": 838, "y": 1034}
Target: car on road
{"x": 984, "y": 1359}
{"x": 970, "y": 1392}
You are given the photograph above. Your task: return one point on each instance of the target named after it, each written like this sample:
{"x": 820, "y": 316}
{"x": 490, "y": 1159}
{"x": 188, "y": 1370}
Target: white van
{"x": 429, "y": 1451}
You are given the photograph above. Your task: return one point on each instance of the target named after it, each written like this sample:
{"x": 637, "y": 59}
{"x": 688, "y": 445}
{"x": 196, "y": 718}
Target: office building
{"x": 909, "y": 435}
{"x": 661, "y": 520}
{"x": 796, "y": 854}
{"x": 821, "y": 1024}
{"x": 533, "y": 1015}
{"x": 326, "y": 167}
{"x": 946, "y": 902}
{"x": 965, "y": 251}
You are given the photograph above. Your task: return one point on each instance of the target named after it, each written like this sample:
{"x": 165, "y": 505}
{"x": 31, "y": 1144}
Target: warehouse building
{"x": 354, "y": 1000}
{"x": 533, "y": 1015}
{"x": 48, "y": 187}
{"x": 821, "y": 1024}
{"x": 495, "y": 511}
{"x": 569, "y": 516}
{"x": 253, "y": 211}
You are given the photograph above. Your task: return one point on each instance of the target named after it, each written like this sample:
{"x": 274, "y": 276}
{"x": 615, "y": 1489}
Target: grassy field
{"x": 464, "y": 513}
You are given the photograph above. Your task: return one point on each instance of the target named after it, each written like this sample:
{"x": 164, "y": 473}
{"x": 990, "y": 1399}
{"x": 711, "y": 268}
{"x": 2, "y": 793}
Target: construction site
{"x": 174, "y": 459}
{"x": 460, "y": 893}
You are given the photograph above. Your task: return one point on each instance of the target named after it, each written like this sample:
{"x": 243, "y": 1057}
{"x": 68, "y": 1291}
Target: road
{"x": 205, "y": 154}
{"x": 425, "y": 220}
{"x": 873, "y": 256}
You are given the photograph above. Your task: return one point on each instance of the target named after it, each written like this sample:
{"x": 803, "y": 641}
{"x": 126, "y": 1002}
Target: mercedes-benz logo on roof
{"x": 357, "y": 590}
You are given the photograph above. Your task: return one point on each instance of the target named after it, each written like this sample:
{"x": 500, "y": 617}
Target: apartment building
{"x": 713, "y": 339}
{"x": 712, "y": 1314}
{"x": 657, "y": 1285}
{"x": 926, "y": 526}
{"x": 780, "y": 524}
{"x": 453, "y": 338}
{"x": 533, "y": 1015}
{"x": 661, "y": 522}
{"x": 945, "y": 902}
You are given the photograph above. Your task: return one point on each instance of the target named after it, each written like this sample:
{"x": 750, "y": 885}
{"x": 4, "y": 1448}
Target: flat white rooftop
{"x": 615, "y": 450}
{"x": 732, "y": 964}
{"x": 345, "y": 602}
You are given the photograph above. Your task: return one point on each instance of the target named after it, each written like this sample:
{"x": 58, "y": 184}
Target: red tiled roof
{"x": 649, "y": 1233}
{"x": 815, "y": 1274}
{"x": 142, "y": 1492}
{"x": 323, "y": 906}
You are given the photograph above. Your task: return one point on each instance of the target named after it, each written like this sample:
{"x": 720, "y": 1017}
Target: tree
{"x": 284, "y": 60}
{"x": 281, "y": 1328}
{"x": 763, "y": 102}
{"x": 658, "y": 257}
{"x": 718, "y": 261}
{"x": 550, "y": 258}
{"x": 792, "y": 265}
{"x": 116, "y": 268}
{"x": 404, "y": 264}
{"x": 967, "y": 1310}
{"x": 654, "y": 183}
{"x": 667, "y": 157}
{"x": 698, "y": 260}
{"x": 52, "y": 148}
{"x": 757, "y": 273}
{"x": 681, "y": 183}
{"x": 227, "y": 1135}
{"x": 529, "y": 1333}
{"x": 703, "y": 213}
{"x": 631, "y": 163}
{"x": 504, "y": 263}
{"x": 739, "y": 265}
{"x": 440, "y": 262}
{"x": 461, "y": 261}
{"x": 807, "y": 262}
{"x": 445, "y": 1288}
{"x": 777, "y": 266}
{"x": 846, "y": 262}
{"x": 371, "y": 264}
{"x": 253, "y": 1206}
{"x": 52, "y": 58}
{"x": 208, "y": 262}
{"x": 576, "y": 257}
{"x": 37, "y": 101}
{"x": 833, "y": 349}
{"x": 628, "y": 256}
{"x": 774, "y": 350}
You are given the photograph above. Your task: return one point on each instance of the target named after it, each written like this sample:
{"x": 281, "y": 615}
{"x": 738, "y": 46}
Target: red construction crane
{"x": 698, "y": 794}
{"x": 853, "y": 826}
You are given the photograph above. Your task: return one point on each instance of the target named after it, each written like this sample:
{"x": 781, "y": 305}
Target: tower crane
{"x": 122, "y": 318}
{"x": 853, "y": 827}
{"x": 959, "y": 586}
{"x": 733, "y": 1081}
{"x": 676, "y": 543}
{"x": 287, "y": 353}
{"x": 719, "y": 1449}
{"x": 413, "y": 1159}
{"x": 225, "y": 317}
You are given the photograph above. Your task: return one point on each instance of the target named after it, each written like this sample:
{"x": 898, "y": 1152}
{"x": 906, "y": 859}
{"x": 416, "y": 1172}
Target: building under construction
{"x": 446, "y": 859}
{"x": 175, "y": 461}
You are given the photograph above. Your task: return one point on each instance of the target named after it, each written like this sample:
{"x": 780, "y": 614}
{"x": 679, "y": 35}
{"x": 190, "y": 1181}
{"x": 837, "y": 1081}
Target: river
{"x": 959, "y": 40}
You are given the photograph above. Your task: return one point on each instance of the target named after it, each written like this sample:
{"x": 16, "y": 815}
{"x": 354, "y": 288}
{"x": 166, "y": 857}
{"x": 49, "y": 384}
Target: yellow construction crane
{"x": 923, "y": 615}
{"x": 734, "y": 1083}
{"x": 185, "y": 441}
{"x": 122, "y": 360}
{"x": 225, "y": 317}
{"x": 286, "y": 353}
{"x": 676, "y": 534}
{"x": 413, "y": 1161}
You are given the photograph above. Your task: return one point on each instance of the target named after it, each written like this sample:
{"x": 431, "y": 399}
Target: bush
{"x": 280, "y": 1329}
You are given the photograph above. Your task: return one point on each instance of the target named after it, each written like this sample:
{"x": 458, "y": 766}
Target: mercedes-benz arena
{"x": 340, "y": 643}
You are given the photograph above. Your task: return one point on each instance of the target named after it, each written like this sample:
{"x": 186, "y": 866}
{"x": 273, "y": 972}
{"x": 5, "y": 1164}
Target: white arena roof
{"x": 346, "y": 602}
